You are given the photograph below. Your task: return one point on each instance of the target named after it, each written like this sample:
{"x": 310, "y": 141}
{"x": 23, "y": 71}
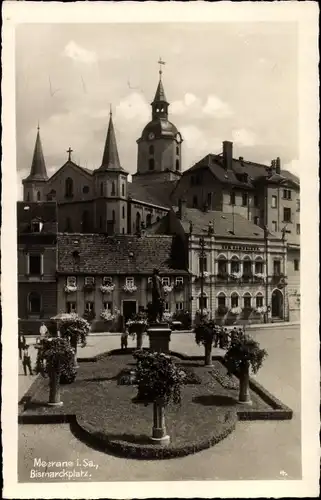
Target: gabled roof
{"x": 119, "y": 254}
{"x": 38, "y": 171}
{"x": 222, "y": 222}
{"x": 70, "y": 163}
{"x": 156, "y": 194}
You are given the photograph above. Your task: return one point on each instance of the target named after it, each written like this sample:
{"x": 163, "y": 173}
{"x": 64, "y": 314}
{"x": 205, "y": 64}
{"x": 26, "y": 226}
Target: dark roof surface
{"x": 222, "y": 222}
{"x": 45, "y": 212}
{"x": 38, "y": 171}
{"x": 119, "y": 254}
{"x": 160, "y": 93}
{"x": 160, "y": 127}
{"x": 157, "y": 194}
{"x": 110, "y": 159}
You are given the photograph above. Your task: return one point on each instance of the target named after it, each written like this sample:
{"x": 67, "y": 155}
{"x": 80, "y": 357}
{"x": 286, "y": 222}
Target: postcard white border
{"x": 305, "y": 14}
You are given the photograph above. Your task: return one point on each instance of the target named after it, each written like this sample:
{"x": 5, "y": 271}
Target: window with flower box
{"x": 107, "y": 280}
{"x": 89, "y": 280}
{"x": 89, "y": 306}
{"x": 71, "y": 281}
{"x": 166, "y": 306}
{"x": 130, "y": 282}
{"x": 165, "y": 282}
{"x": 71, "y": 307}
{"x": 107, "y": 306}
{"x": 259, "y": 301}
{"x": 179, "y": 281}
{"x": 234, "y": 300}
{"x": 179, "y": 306}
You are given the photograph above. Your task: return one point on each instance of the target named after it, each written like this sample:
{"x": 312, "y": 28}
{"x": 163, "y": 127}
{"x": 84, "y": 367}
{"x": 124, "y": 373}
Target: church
{"x": 102, "y": 200}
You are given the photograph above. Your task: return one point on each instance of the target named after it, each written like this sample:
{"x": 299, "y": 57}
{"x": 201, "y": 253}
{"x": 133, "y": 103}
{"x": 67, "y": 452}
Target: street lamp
{"x": 202, "y": 258}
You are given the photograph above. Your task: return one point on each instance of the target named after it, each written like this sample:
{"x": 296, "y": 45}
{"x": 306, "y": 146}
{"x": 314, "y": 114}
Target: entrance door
{"x": 277, "y": 304}
{"x": 129, "y": 309}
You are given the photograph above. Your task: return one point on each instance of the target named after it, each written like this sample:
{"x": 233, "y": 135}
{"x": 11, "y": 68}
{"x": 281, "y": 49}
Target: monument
{"x": 159, "y": 332}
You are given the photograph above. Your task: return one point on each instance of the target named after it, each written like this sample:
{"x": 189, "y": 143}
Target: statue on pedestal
{"x": 157, "y": 305}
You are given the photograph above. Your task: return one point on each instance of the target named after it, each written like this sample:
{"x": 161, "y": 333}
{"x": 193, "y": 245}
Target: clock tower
{"x": 159, "y": 147}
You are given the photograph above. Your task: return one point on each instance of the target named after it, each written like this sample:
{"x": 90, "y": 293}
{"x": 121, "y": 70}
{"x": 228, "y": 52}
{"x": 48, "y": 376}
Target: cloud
{"x": 79, "y": 54}
{"x": 133, "y": 107}
{"x": 214, "y": 106}
{"x": 189, "y": 103}
{"x": 244, "y": 137}
{"x": 293, "y": 166}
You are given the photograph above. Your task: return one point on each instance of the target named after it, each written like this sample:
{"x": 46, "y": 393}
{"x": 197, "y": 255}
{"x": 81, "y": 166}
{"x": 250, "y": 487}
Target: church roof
{"x": 160, "y": 127}
{"x": 155, "y": 194}
{"x": 38, "y": 171}
{"x": 119, "y": 254}
{"x": 160, "y": 93}
{"x": 110, "y": 159}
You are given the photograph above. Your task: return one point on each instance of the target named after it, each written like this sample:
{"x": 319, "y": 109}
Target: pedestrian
{"x": 43, "y": 330}
{"x": 124, "y": 339}
{"x": 225, "y": 338}
{"x": 234, "y": 335}
{"x": 216, "y": 335}
{"x": 21, "y": 344}
{"x": 26, "y": 360}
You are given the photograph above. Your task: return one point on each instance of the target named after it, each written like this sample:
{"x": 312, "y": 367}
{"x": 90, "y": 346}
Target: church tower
{"x": 111, "y": 188}
{"x": 159, "y": 147}
{"x": 34, "y": 185}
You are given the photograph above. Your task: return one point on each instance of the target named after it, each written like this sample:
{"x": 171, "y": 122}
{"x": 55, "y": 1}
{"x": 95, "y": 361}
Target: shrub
{"x": 244, "y": 349}
{"x": 158, "y": 378}
{"x": 204, "y": 332}
{"x": 74, "y": 328}
{"x": 56, "y": 356}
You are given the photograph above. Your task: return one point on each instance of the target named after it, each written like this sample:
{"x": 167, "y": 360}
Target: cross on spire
{"x": 161, "y": 63}
{"x": 69, "y": 151}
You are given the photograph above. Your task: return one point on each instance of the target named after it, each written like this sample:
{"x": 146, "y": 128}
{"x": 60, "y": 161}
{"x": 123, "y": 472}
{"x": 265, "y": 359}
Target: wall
{"x": 294, "y": 290}
{"x": 209, "y": 184}
{"x": 276, "y": 214}
{"x": 74, "y": 211}
{"x": 80, "y": 179}
{"x": 165, "y": 155}
{"x": 144, "y": 210}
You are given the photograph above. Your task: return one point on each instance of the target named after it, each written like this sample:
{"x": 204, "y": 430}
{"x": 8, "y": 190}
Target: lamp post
{"x": 202, "y": 258}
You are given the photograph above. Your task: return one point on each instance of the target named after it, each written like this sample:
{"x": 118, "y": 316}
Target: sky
{"x": 224, "y": 81}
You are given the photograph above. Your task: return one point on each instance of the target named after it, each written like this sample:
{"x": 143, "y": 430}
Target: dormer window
{"x": 36, "y": 226}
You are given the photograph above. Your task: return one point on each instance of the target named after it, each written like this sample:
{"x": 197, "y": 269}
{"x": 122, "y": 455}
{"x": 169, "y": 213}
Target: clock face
{"x": 178, "y": 138}
{"x": 151, "y": 136}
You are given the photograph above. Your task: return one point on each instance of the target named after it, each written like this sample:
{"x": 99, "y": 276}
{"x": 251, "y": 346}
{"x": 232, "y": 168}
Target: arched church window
{"x": 151, "y": 164}
{"x": 151, "y": 150}
{"x": 177, "y": 164}
{"x": 123, "y": 189}
{"x": 28, "y": 196}
{"x": 177, "y": 150}
{"x": 38, "y": 195}
{"x": 101, "y": 189}
{"x": 123, "y": 212}
{"x": 138, "y": 221}
{"x": 113, "y": 189}
{"x": 148, "y": 220}
{"x": 34, "y": 303}
{"x": 69, "y": 187}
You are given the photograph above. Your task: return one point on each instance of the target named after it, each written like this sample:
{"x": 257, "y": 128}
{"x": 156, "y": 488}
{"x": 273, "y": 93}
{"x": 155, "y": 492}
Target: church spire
{"x": 160, "y": 103}
{"x": 38, "y": 171}
{"x": 110, "y": 157}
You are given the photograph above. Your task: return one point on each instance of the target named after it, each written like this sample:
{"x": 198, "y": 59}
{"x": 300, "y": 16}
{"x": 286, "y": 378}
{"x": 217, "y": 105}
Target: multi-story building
{"x": 37, "y": 257}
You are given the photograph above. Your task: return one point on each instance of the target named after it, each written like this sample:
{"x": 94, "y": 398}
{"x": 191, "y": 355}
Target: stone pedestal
{"x": 159, "y": 435}
{"x": 159, "y": 337}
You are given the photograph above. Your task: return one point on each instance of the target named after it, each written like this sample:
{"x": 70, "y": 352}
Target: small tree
{"x": 75, "y": 329}
{"x": 244, "y": 353}
{"x": 205, "y": 335}
{"x": 159, "y": 382}
{"x": 55, "y": 359}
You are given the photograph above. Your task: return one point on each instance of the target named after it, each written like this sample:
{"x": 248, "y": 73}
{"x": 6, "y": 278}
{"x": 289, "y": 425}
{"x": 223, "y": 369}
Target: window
{"x": 247, "y": 301}
{"x": 151, "y": 150}
{"x": 235, "y": 265}
{"x": 286, "y": 214}
{"x": 101, "y": 189}
{"x": 296, "y": 265}
{"x": 34, "y": 303}
{"x": 221, "y": 300}
{"x": 148, "y": 220}
{"x": 202, "y": 264}
{"x": 297, "y": 205}
{"x": 234, "y": 300}
{"x": 298, "y": 229}
{"x": 209, "y": 200}
{"x": 274, "y": 226}
{"x": 256, "y": 220}
{"x": 179, "y": 281}
{"x": 69, "y": 188}
{"x": 130, "y": 282}
{"x": 287, "y": 195}
{"x": 68, "y": 227}
{"x": 277, "y": 267}
{"x": 85, "y": 189}
{"x": 107, "y": 306}
{"x": 35, "y": 264}
{"x": 38, "y": 195}
{"x": 177, "y": 164}
{"x": 195, "y": 202}
{"x": 89, "y": 280}
{"x": 36, "y": 226}
{"x": 113, "y": 189}
{"x": 123, "y": 189}
{"x": 28, "y": 196}
{"x": 165, "y": 282}
{"x": 166, "y": 306}
{"x": 151, "y": 164}
{"x": 274, "y": 203}
{"x": 232, "y": 198}
{"x": 222, "y": 266}
{"x": 107, "y": 280}
{"x": 89, "y": 306}
{"x": 179, "y": 306}
{"x": 258, "y": 267}
{"x": 150, "y": 280}
{"x": 255, "y": 201}
{"x": 177, "y": 150}
{"x": 71, "y": 281}
{"x": 71, "y": 307}
{"x": 113, "y": 216}
{"x": 202, "y": 302}
{"x": 244, "y": 199}
{"x": 123, "y": 212}
{"x": 259, "y": 301}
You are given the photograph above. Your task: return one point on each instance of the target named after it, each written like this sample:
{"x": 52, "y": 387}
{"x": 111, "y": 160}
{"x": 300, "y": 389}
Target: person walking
{"x": 124, "y": 340}
{"x": 21, "y": 344}
{"x": 26, "y": 360}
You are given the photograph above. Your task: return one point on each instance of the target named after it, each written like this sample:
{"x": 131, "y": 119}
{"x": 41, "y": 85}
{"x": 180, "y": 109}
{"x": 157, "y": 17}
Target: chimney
{"x": 181, "y": 208}
{"x": 278, "y": 165}
{"x": 273, "y": 165}
{"x": 227, "y": 154}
